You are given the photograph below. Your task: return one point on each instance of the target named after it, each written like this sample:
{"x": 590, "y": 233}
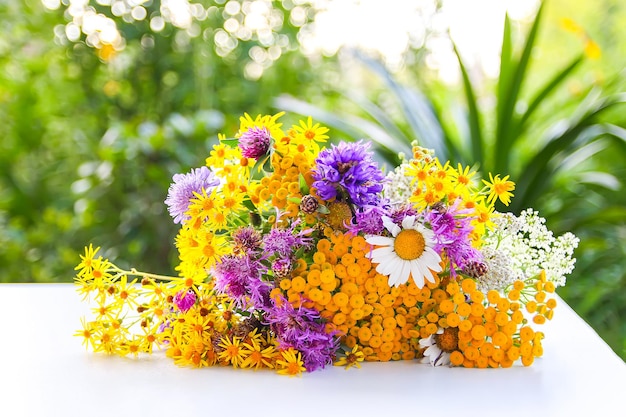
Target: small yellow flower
{"x": 86, "y": 265}
{"x": 310, "y": 134}
{"x": 233, "y": 352}
{"x": 291, "y": 363}
{"x": 500, "y": 189}
{"x": 352, "y": 358}
{"x": 258, "y": 356}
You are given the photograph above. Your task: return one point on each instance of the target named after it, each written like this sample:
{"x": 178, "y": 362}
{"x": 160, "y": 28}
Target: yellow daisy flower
{"x": 352, "y": 358}
{"x": 310, "y": 134}
{"x": 499, "y": 189}
{"x": 233, "y": 352}
{"x": 291, "y": 363}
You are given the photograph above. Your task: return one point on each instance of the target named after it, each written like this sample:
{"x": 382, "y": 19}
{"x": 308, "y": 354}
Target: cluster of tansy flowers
{"x": 295, "y": 255}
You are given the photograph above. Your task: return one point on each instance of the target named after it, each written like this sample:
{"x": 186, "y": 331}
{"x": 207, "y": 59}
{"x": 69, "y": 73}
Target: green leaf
{"x": 473, "y": 114}
{"x": 504, "y": 140}
{"x": 249, "y": 205}
{"x": 233, "y": 142}
{"x": 380, "y": 116}
{"x": 505, "y": 65}
{"x": 266, "y": 164}
{"x": 417, "y": 109}
{"x": 304, "y": 188}
{"x": 546, "y": 91}
{"x": 579, "y": 130}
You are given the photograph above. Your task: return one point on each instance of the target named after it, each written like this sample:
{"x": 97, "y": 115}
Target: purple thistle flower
{"x": 348, "y": 168}
{"x": 181, "y": 190}
{"x": 184, "y": 300}
{"x": 255, "y": 142}
{"x": 303, "y": 329}
{"x": 452, "y": 228}
{"x": 240, "y": 278}
{"x": 283, "y": 242}
{"x": 247, "y": 240}
{"x": 282, "y": 267}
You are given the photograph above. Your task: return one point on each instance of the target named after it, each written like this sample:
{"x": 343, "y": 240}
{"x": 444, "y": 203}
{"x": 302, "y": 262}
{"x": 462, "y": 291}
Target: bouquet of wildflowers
{"x": 295, "y": 255}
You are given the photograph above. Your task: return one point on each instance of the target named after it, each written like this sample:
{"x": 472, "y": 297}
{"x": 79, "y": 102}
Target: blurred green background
{"x": 101, "y": 102}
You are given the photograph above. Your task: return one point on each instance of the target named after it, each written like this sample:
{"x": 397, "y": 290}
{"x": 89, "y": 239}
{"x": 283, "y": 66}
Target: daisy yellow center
{"x": 448, "y": 341}
{"x": 409, "y": 244}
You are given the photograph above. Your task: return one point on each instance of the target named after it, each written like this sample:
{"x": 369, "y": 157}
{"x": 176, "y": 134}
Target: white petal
{"x": 419, "y": 280}
{"x": 395, "y": 271}
{"x": 404, "y": 273}
{"x": 382, "y": 252}
{"x": 430, "y": 276}
{"x": 431, "y": 260}
{"x": 432, "y": 351}
{"x": 407, "y": 222}
{"x": 393, "y": 228}
{"x": 387, "y": 267}
{"x": 429, "y": 341}
{"x": 416, "y": 272}
{"x": 379, "y": 240}
{"x": 443, "y": 359}
{"x": 428, "y": 234}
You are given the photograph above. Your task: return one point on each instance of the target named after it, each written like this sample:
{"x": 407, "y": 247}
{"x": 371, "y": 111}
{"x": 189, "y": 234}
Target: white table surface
{"x": 45, "y": 371}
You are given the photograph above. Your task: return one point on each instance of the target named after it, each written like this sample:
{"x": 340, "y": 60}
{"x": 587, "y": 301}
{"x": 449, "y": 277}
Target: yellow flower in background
{"x": 571, "y": 26}
{"x": 219, "y": 154}
{"x": 591, "y": 48}
{"x": 499, "y": 189}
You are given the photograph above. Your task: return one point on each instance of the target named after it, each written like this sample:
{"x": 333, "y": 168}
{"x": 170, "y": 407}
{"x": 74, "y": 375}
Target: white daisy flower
{"x": 409, "y": 252}
{"x": 439, "y": 346}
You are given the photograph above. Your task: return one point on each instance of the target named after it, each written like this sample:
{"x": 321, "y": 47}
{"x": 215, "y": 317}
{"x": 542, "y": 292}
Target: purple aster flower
{"x": 184, "y": 300}
{"x": 255, "y": 142}
{"x": 369, "y": 221}
{"x": 181, "y": 190}
{"x": 452, "y": 228}
{"x": 240, "y": 278}
{"x": 348, "y": 168}
{"x": 303, "y": 329}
